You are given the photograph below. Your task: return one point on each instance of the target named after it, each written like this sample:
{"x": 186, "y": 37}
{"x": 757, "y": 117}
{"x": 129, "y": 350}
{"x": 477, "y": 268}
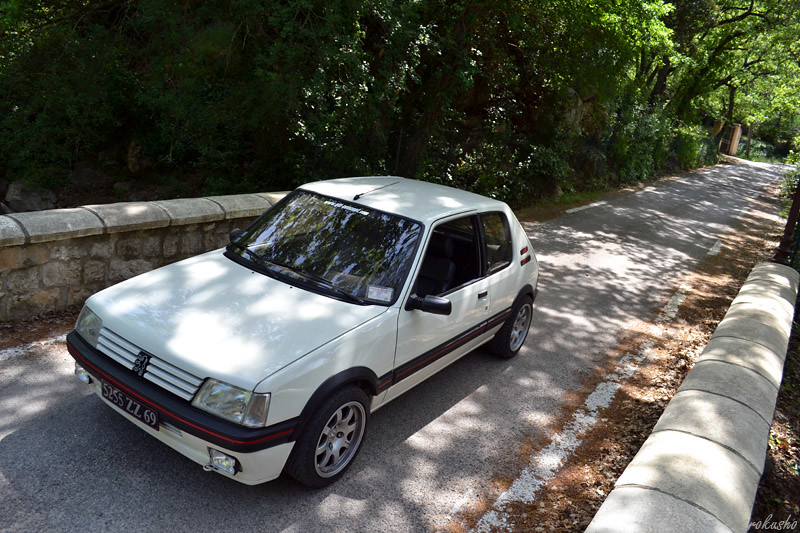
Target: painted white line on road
{"x": 671, "y": 309}
{"x": 581, "y": 208}
{"x": 716, "y": 248}
{"x": 544, "y": 464}
{"x": 19, "y": 351}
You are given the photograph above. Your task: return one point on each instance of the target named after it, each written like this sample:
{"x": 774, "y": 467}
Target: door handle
{"x": 482, "y": 295}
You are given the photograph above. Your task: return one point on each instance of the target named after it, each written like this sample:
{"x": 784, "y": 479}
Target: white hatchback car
{"x": 269, "y": 355}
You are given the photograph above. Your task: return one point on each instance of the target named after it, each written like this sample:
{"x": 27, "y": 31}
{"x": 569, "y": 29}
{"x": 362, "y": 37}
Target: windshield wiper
{"x": 254, "y": 256}
{"x": 267, "y": 267}
{"x": 319, "y": 280}
{"x": 316, "y": 278}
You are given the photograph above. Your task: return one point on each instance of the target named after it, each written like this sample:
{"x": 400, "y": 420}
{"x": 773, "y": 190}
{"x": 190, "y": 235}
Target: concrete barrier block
{"x": 242, "y": 205}
{"x": 10, "y": 232}
{"x": 718, "y": 419}
{"x": 760, "y": 287}
{"x": 699, "y": 469}
{"x": 753, "y": 329}
{"x": 770, "y": 301}
{"x": 130, "y": 216}
{"x": 734, "y": 382}
{"x": 191, "y": 210}
{"x": 780, "y": 275}
{"x": 694, "y": 469}
{"x": 273, "y": 197}
{"x": 58, "y": 224}
{"x": 768, "y": 315}
{"x": 642, "y": 510}
{"x": 746, "y": 354}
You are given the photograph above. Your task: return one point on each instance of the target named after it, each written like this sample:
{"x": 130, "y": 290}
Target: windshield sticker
{"x": 347, "y": 207}
{"x": 379, "y": 294}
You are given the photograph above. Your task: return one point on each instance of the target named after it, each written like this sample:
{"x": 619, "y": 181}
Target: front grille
{"x": 165, "y": 375}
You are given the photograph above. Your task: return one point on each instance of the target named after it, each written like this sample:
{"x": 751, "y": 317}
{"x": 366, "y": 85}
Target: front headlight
{"x": 89, "y": 326}
{"x": 243, "y": 407}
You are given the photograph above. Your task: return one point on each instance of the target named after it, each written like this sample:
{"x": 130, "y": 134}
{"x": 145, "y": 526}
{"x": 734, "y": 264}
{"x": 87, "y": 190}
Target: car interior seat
{"x": 438, "y": 269}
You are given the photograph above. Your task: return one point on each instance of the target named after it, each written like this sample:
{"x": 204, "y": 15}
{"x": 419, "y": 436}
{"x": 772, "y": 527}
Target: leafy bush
{"x": 66, "y": 99}
{"x": 501, "y": 167}
{"x": 692, "y": 149}
{"x": 639, "y": 142}
{"x": 759, "y": 150}
{"x": 789, "y": 179}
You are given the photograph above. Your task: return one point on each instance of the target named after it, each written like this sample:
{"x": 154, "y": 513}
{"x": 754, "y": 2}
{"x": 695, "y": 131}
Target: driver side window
{"x": 452, "y": 258}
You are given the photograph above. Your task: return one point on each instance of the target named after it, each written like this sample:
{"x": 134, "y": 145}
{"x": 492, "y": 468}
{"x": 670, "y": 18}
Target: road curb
{"x": 701, "y": 465}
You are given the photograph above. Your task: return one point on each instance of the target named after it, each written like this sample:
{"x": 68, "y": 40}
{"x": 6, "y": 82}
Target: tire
{"x": 509, "y": 340}
{"x": 331, "y": 439}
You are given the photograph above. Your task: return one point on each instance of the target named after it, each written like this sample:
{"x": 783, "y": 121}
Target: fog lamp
{"x": 222, "y": 462}
{"x": 82, "y": 374}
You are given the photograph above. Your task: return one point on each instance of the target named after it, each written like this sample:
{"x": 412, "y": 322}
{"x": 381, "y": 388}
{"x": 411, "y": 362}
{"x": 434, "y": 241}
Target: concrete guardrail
{"x": 699, "y": 469}
{"x": 50, "y": 260}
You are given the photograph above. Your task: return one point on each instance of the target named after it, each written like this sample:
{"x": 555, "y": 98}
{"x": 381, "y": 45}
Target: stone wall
{"x": 50, "y": 260}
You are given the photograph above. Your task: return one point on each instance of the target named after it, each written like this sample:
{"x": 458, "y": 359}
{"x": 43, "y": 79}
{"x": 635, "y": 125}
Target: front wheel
{"x": 509, "y": 340}
{"x": 331, "y": 440}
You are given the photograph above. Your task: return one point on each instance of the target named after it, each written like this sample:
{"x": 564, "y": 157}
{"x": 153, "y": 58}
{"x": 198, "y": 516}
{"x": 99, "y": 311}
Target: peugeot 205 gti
{"x": 269, "y": 355}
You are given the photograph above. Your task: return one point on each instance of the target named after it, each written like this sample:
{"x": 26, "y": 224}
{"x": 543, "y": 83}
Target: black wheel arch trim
{"x": 351, "y": 376}
{"x": 175, "y": 410}
{"x": 530, "y": 291}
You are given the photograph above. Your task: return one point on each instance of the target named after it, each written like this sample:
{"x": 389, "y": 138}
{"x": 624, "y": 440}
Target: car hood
{"x": 213, "y": 317}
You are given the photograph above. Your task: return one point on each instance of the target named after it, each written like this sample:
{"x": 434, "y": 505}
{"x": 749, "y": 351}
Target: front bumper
{"x": 261, "y": 453}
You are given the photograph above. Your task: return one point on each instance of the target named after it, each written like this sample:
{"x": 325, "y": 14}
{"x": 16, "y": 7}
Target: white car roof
{"x": 418, "y": 200}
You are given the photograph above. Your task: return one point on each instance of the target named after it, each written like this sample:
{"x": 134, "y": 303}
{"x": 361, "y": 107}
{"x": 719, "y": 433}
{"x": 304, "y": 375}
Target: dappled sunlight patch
{"x": 335, "y": 505}
{"x": 27, "y": 401}
{"x": 456, "y": 424}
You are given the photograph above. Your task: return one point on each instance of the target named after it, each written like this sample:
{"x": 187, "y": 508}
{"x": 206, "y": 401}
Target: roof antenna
{"x": 359, "y": 195}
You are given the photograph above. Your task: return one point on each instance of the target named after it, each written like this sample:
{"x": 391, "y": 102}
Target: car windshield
{"x": 340, "y": 249}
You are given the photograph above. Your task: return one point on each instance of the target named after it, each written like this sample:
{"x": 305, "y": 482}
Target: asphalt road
{"x": 70, "y": 463}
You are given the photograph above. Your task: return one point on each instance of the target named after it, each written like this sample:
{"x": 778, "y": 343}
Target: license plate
{"x": 131, "y": 406}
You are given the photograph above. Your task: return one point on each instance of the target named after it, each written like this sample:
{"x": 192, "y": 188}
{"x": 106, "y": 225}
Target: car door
{"x": 427, "y": 342}
{"x": 499, "y": 253}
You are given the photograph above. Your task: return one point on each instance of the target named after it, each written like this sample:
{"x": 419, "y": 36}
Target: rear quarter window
{"x": 498, "y": 242}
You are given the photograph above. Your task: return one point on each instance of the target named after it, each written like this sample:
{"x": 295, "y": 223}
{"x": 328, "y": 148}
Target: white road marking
{"x": 671, "y": 309}
{"x": 544, "y": 464}
{"x": 581, "y": 208}
{"x": 716, "y": 248}
{"x": 19, "y": 351}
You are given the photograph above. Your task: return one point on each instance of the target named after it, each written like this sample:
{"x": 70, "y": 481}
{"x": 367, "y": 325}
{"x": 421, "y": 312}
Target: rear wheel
{"x": 509, "y": 340}
{"x": 331, "y": 440}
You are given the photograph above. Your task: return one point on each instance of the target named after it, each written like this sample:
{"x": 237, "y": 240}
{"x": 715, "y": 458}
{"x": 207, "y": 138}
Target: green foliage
{"x": 66, "y": 99}
{"x": 516, "y": 175}
{"x": 639, "y": 142}
{"x": 691, "y": 149}
{"x": 759, "y": 151}
{"x": 789, "y": 179}
{"x": 516, "y": 99}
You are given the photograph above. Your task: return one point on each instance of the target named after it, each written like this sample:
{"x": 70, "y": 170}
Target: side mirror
{"x": 430, "y": 304}
{"x": 235, "y": 234}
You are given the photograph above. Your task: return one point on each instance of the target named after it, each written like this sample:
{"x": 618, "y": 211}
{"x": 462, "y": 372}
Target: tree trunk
{"x": 731, "y": 100}
{"x": 661, "y": 81}
{"x": 749, "y": 131}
